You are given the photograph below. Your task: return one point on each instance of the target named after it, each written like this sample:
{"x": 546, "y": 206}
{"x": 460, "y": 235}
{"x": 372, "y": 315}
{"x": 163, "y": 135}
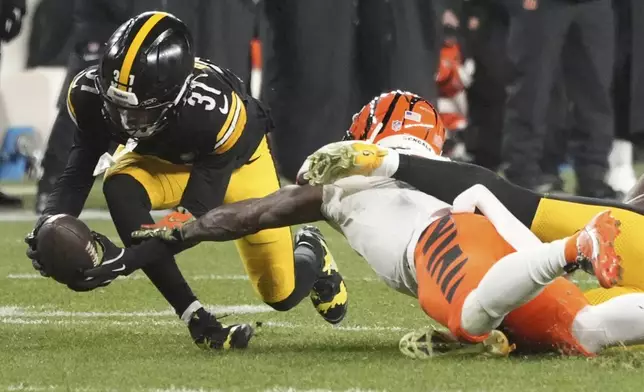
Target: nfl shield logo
{"x": 396, "y": 125}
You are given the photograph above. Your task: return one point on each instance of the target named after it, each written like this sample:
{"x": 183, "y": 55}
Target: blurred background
{"x": 546, "y": 92}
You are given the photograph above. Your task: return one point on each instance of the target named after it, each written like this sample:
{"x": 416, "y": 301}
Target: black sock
{"x": 129, "y": 206}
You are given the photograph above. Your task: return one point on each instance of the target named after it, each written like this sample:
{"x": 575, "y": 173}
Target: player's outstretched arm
{"x": 288, "y": 206}
{"x": 446, "y": 180}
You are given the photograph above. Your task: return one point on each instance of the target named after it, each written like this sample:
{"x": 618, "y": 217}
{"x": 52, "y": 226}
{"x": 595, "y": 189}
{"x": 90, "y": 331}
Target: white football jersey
{"x": 382, "y": 219}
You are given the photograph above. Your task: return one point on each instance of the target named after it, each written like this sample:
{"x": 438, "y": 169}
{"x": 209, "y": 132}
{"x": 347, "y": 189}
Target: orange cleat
{"x": 596, "y": 249}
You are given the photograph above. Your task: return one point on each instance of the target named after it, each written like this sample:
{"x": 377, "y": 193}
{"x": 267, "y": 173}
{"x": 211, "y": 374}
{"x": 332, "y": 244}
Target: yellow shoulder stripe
{"x": 133, "y": 50}
{"x": 70, "y": 106}
{"x": 233, "y": 127}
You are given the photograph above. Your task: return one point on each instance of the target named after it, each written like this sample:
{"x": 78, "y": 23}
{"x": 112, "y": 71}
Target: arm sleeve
{"x": 207, "y": 185}
{"x": 508, "y": 226}
{"x": 73, "y": 186}
{"x": 446, "y": 179}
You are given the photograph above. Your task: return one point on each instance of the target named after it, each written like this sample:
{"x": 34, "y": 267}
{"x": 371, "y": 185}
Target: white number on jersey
{"x": 207, "y": 101}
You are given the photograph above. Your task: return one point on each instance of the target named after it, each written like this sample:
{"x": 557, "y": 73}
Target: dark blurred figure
{"x": 326, "y": 58}
{"x": 93, "y": 22}
{"x": 628, "y": 91}
{"x": 222, "y": 31}
{"x": 50, "y": 38}
{"x": 485, "y": 29}
{"x": 541, "y": 31}
{"x": 12, "y": 13}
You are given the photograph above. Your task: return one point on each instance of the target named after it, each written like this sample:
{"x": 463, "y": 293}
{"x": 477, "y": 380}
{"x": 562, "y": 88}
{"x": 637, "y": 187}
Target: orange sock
{"x": 570, "y": 252}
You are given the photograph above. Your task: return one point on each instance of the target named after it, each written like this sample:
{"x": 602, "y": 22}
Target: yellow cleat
{"x": 432, "y": 342}
{"x": 344, "y": 159}
{"x": 329, "y": 293}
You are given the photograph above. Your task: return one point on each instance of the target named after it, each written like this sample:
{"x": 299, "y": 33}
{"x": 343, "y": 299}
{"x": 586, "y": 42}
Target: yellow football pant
{"x": 556, "y": 219}
{"x": 267, "y": 255}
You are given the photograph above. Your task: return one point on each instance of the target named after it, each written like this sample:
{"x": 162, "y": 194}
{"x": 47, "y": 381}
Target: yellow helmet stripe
{"x": 133, "y": 50}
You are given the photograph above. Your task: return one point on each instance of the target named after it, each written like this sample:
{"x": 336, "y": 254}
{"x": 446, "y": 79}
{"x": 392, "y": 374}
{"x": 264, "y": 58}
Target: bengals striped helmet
{"x": 399, "y": 120}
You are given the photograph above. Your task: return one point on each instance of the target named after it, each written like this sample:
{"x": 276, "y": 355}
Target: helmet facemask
{"x": 135, "y": 120}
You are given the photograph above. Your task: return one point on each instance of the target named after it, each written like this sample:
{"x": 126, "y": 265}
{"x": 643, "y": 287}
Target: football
{"x": 66, "y": 248}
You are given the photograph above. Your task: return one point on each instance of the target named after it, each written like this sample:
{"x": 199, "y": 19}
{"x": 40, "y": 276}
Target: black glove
{"x": 11, "y": 17}
{"x": 112, "y": 265}
{"x": 32, "y": 245}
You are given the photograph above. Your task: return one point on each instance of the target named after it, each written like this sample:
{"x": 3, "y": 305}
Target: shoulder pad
{"x": 83, "y": 96}
{"x": 225, "y": 74}
{"x": 216, "y": 110}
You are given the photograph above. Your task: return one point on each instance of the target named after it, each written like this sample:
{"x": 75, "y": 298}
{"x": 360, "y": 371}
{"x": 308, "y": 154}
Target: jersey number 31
{"x": 207, "y": 101}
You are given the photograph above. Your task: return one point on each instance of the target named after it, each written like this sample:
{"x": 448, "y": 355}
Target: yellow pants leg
{"x": 556, "y": 219}
{"x": 267, "y": 255}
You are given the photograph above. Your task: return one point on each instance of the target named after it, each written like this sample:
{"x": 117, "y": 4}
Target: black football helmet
{"x": 144, "y": 73}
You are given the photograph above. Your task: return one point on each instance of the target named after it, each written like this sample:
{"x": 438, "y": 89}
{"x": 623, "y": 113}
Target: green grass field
{"x": 125, "y": 338}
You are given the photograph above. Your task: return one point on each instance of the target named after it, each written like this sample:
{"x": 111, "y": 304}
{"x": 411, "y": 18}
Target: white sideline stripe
{"x": 17, "y": 311}
{"x": 181, "y": 389}
{"x": 167, "y": 323}
{"x": 37, "y": 316}
{"x": 194, "y": 277}
{"x": 291, "y": 389}
{"x": 89, "y": 214}
{"x": 111, "y": 323}
{"x": 348, "y": 328}
{"x": 172, "y": 388}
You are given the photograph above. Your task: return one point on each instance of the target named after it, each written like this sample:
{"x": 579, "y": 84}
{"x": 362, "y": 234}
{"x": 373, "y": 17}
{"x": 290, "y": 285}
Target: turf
{"x": 124, "y": 338}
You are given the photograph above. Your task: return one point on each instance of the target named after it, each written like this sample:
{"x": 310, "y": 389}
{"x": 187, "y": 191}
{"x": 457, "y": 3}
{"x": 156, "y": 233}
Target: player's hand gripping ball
{"x": 66, "y": 248}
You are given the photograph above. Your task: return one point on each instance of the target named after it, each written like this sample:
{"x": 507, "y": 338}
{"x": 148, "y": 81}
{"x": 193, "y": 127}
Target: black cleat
{"x": 208, "y": 333}
{"x": 329, "y": 293}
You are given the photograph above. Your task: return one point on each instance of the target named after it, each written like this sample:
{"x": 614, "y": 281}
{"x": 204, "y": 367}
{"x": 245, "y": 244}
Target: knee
{"x": 588, "y": 329}
{"x": 123, "y": 187}
{"x": 475, "y": 320}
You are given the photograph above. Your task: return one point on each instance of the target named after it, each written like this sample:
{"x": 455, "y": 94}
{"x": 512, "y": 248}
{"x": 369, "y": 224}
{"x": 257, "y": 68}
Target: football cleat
{"x": 208, "y": 333}
{"x": 344, "y": 159}
{"x": 431, "y": 342}
{"x": 596, "y": 249}
{"x": 329, "y": 293}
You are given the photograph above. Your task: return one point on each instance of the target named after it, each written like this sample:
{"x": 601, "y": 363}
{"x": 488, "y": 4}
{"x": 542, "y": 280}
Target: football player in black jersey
{"x": 191, "y": 138}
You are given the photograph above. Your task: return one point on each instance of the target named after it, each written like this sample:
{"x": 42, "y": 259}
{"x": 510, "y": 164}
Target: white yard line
{"x": 34, "y": 276}
{"x": 89, "y": 214}
{"x": 43, "y": 316}
{"x": 22, "y": 312}
{"x": 42, "y": 388}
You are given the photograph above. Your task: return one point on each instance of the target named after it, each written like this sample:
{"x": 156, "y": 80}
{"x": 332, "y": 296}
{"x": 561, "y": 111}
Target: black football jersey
{"x": 211, "y": 120}
{"x": 216, "y": 129}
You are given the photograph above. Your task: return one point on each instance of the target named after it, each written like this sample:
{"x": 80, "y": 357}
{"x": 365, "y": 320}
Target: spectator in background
{"x": 222, "y": 31}
{"x": 11, "y": 14}
{"x": 50, "y": 39}
{"x": 93, "y": 22}
{"x": 327, "y": 57}
{"x": 538, "y": 31}
{"x": 628, "y": 92}
{"x": 485, "y": 31}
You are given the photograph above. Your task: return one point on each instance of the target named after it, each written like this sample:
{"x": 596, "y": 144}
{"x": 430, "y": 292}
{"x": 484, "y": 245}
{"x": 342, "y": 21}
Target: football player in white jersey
{"x": 401, "y": 141}
{"x": 471, "y": 273}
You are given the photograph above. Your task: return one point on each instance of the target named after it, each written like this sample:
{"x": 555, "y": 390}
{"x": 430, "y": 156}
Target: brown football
{"x": 66, "y": 248}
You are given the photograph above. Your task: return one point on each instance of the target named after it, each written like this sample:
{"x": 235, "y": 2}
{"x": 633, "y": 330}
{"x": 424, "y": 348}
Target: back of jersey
{"x": 379, "y": 217}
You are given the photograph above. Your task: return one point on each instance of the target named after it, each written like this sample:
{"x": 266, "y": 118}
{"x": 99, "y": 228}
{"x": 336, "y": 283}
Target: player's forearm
{"x": 71, "y": 190}
{"x": 506, "y": 224}
{"x": 288, "y": 206}
{"x": 446, "y": 180}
